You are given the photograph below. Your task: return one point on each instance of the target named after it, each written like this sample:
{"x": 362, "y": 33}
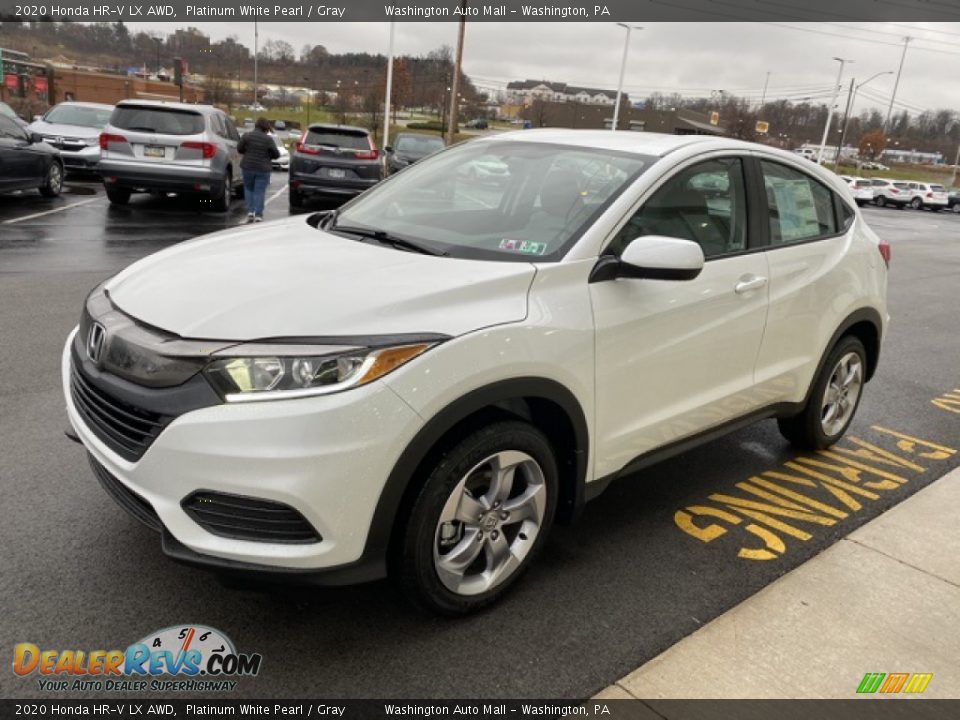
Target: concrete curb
{"x": 885, "y": 599}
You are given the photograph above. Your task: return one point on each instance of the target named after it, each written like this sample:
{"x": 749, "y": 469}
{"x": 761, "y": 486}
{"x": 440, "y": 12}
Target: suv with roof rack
{"x": 170, "y": 147}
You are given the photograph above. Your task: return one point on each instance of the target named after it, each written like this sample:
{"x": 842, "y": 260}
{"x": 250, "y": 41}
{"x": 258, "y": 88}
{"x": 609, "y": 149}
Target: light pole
{"x": 851, "y": 99}
{"x": 306, "y": 79}
{"x": 386, "y": 100}
{"x": 623, "y": 69}
{"x": 833, "y": 101}
{"x": 256, "y": 52}
{"x": 452, "y": 119}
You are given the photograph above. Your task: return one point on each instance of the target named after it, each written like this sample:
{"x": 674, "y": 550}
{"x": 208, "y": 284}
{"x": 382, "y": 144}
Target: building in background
{"x": 525, "y": 92}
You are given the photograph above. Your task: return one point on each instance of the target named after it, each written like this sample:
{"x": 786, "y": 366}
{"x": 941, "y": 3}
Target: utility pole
{"x": 455, "y": 85}
{"x": 386, "y": 101}
{"x": 896, "y": 83}
{"x": 851, "y": 99}
{"x": 956, "y": 160}
{"x": 846, "y": 119}
{"x": 763, "y": 97}
{"x": 833, "y": 101}
{"x": 623, "y": 69}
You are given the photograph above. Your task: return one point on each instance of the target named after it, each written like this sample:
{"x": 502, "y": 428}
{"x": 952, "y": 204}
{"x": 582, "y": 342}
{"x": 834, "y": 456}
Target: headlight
{"x": 92, "y": 141}
{"x": 243, "y": 378}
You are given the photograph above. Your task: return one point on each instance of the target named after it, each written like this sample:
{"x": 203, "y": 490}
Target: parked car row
{"x": 900, "y": 193}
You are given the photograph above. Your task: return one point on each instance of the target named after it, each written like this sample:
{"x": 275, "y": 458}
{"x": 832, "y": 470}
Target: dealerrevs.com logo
{"x": 198, "y": 658}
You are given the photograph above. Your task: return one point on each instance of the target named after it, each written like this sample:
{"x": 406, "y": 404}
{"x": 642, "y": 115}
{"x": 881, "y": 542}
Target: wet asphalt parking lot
{"x": 645, "y": 566}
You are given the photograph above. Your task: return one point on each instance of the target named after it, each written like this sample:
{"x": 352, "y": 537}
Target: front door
{"x": 674, "y": 358}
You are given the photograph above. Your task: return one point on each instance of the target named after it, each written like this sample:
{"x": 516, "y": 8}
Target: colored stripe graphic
{"x": 870, "y": 682}
{"x": 894, "y": 682}
{"x": 918, "y": 683}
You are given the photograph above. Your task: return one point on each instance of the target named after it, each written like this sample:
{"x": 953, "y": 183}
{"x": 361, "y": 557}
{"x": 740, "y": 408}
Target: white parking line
{"x": 277, "y": 194}
{"x": 50, "y": 212}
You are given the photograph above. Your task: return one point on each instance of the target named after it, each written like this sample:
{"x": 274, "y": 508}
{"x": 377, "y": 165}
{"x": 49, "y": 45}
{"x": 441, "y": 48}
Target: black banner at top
{"x": 187, "y": 11}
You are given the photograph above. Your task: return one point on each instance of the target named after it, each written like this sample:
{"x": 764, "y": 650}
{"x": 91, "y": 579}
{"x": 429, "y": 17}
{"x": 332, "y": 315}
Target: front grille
{"x": 126, "y": 429}
{"x": 126, "y": 498}
{"x": 247, "y": 518}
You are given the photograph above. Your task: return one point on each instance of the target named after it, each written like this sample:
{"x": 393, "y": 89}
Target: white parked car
{"x": 894, "y": 193}
{"x": 282, "y": 162}
{"x": 422, "y": 382}
{"x": 860, "y": 188}
{"x": 927, "y": 195}
{"x": 74, "y": 129}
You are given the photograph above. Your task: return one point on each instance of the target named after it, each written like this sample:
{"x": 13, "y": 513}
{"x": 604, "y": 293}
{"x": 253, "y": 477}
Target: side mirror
{"x": 36, "y": 138}
{"x": 388, "y": 148}
{"x": 653, "y": 257}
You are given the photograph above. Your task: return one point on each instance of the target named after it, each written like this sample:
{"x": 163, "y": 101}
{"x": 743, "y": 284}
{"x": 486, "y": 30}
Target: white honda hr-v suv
{"x": 421, "y": 383}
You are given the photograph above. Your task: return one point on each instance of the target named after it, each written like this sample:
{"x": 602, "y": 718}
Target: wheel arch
{"x": 545, "y": 403}
{"x": 864, "y": 324}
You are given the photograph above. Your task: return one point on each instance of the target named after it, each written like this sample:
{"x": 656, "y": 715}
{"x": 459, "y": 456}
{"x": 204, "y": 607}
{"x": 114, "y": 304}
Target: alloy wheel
{"x": 55, "y": 179}
{"x": 490, "y": 523}
{"x": 841, "y": 394}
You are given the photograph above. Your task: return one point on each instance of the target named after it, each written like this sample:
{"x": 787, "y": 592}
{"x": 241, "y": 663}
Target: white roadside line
{"x": 277, "y": 194}
{"x": 50, "y": 212}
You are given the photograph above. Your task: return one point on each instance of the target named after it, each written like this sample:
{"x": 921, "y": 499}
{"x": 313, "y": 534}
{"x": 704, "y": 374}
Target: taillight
{"x": 107, "y": 138}
{"x": 303, "y": 148}
{"x": 371, "y": 154}
{"x": 929, "y": 194}
{"x": 894, "y": 191}
{"x": 884, "y": 248}
{"x": 208, "y": 149}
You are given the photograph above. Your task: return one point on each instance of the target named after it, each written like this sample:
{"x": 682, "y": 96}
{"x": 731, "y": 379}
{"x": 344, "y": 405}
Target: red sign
{"x": 40, "y": 84}
{"x": 10, "y": 81}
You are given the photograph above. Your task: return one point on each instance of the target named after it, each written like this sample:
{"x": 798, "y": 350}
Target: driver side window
{"x": 705, "y": 203}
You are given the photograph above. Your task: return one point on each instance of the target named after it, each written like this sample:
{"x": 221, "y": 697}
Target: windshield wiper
{"x": 138, "y": 128}
{"x": 382, "y": 236}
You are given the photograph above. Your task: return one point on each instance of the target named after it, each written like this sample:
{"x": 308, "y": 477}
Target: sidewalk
{"x": 884, "y": 599}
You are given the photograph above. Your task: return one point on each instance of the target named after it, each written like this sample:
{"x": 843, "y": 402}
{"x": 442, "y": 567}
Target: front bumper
{"x": 328, "y": 457}
{"x": 167, "y": 178}
{"x": 81, "y": 160}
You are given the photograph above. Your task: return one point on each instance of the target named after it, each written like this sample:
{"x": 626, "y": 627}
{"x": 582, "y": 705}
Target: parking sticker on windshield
{"x": 523, "y": 246}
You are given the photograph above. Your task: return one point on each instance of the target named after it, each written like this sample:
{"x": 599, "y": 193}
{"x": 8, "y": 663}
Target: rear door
{"x": 153, "y": 135}
{"x": 811, "y": 276}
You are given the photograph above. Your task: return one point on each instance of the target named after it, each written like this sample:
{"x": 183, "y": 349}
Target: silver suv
{"x": 170, "y": 147}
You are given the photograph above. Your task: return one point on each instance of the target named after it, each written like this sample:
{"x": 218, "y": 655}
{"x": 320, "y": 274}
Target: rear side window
{"x": 938, "y": 188}
{"x": 337, "y": 138}
{"x": 165, "y": 121}
{"x": 800, "y": 207}
{"x": 901, "y": 185}
{"x": 863, "y": 183}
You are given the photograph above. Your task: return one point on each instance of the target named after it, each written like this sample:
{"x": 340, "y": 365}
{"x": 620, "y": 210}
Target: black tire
{"x": 880, "y": 201}
{"x": 238, "y": 191}
{"x": 916, "y": 204}
{"x": 412, "y": 561}
{"x": 118, "y": 196}
{"x": 805, "y": 430}
{"x": 221, "y": 203}
{"x": 955, "y": 207}
{"x": 52, "y": 181}
{"x": 296, "y": 198}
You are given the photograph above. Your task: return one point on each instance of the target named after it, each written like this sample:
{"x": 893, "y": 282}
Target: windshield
{"x": 506, "y": 200}
{"x": 166, "y": 121}
{"x": 418, "y": 145}
{"x": 7, "y": 111}
{"x": 90, "y": 117}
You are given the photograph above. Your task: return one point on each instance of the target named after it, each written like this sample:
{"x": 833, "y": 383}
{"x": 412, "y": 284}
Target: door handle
{"x": 748, "y": 283}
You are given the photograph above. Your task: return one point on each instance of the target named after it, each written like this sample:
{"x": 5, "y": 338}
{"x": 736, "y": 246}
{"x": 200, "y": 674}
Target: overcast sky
{"x": 690, "y": 58}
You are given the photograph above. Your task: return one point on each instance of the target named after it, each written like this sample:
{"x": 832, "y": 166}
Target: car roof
{"x": 168, "y": 104}
{"x": 418, "y": 135}
{"x": 641, "y": 143}
{"x": 328, "y": 126}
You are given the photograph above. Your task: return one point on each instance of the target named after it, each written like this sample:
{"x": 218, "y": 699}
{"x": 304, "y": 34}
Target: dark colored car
{"x": 953, "y": 200}
{"x": 333, "y": 161}
{"x": 27, "y": 162}
{"x": 408, "y": 148}
{"x": 478, "y": 124}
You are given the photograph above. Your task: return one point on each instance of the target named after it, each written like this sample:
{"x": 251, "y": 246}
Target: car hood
{"x": 288, "y": 279}
{"x": 79, "y": 131}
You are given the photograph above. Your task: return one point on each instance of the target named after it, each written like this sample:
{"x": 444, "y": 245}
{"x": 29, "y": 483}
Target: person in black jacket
{"x": 258, "y": 149}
